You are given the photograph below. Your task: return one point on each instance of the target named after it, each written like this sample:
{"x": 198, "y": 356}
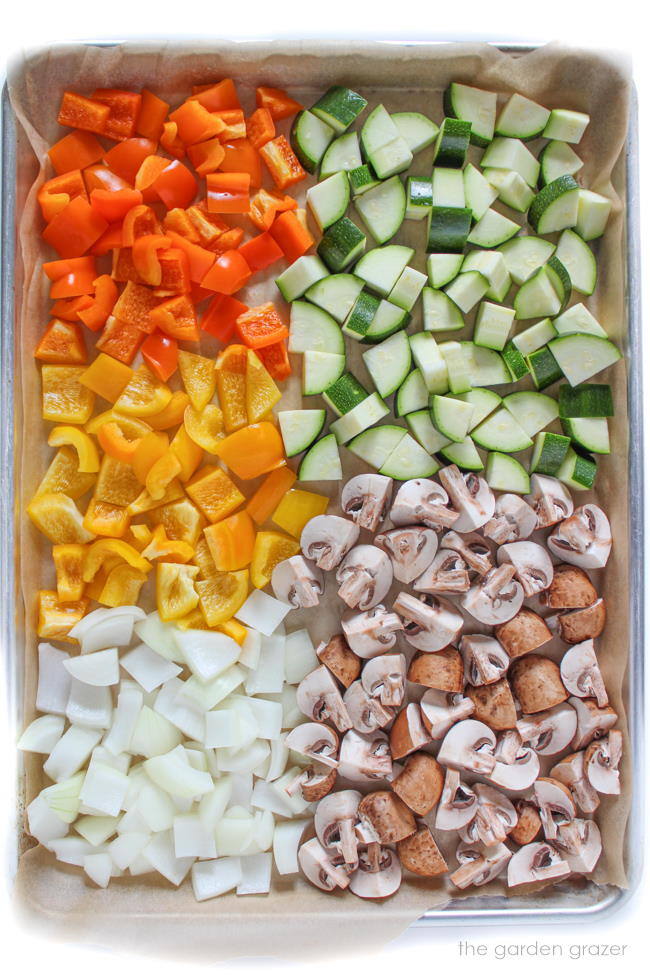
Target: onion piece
{"x": 192, "y": 839}
{"x": 99, "y": 867}
{"x": 153, "y": 735}
{"x": 229, "y": 728}
{"x": 268, "y": 717}
{"x": 155, "y": 807}
{"x": 44, "y": 825}
{"x": 249, "y": 654}
{"x": 286, "y": 841}
{"x": 63, "y": 797}
{"x": 159, "y": 852}
{"x": 125, "y": 718}
{"x": 183, "y": 711}
{"x": 53, "y": 680}
{"x": 235, "y": 832}
{"x": 132, "y": 822}
{"x": 104, "y": 788}
{"x": 295, "y": 801}
{"x": 42, "y": 734}
{"x": 160, "y": 637}
{"x": 213, "y": 804}
{"x": 207, "y": 653}
{"x": 71, "y": 752}
{"x": 73, "y": 849}
{"x": 242, "y": 789}
{"x": 148, "y": 668}
{"x": 263, "y": 612}
{"x": 266, "y": 797}
{"x": 243, "y": 759}
{"x": 268, "y": 676}
{"x": 207, "y": 694}
{"x": 127, "y": 847}
{"x": 106, "y": 628}
{"x": 91, "y": 707}
{"x": 300, "y": 656}
{"x": 173, "y": 774}
{"x": 256, "y": 874}
{"x": 100, "y": 669}
{"x": 279, "y": 759}
{"x": 96, "y": 829}
{"x": 211, "y": 878}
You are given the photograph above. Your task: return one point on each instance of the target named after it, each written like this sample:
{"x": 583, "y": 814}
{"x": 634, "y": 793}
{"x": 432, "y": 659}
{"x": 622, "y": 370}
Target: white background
{"x": 618, "y": 25}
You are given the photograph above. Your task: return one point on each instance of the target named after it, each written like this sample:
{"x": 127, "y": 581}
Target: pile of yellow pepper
{"x": 154, "y": 501}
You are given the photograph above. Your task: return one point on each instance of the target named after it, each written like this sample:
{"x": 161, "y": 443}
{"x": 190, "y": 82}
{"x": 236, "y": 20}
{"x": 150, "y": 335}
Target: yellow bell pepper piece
{"x": 107, "y": 377}
{"x": 105, "y": 548}
{"x": 63, "y": 476}
{"x": 205, "y": 428}
{"x": 68, "y": 564}
{"x": 161, "y": 474}
{"x": 297, "y": 508}
{"x": 65, "y": 400}
{"x": 175, "y": 592}
{"x": 231, "y": 386}
{"x": 203, "y": 559}
{"x": 172, "y": 415}
{"x": 95, "y": 588}
{"x": 122, "y": 586}
{"x": 270, "y": 549}
{"x": 132, "y": 428}
{"x": 269, "y": 494}
{"x": 193, "y": 621}
{"x": 254, "y": 450}
{"x": 231, "y": 542}
{"x": 199, "y": 377}
{"x": 182, "y": 520}
{"x": 166, "y": 549}
{"x": 139, "y": 536}
{"x": 150, "y": 449}
{"x": 117, "y": 483}
{"x": 59, "y": 519}
{"x": 108, "y": 520}
{"x": 222, "y": 595}
{"x": 144, "y": 501}
{"x": 214, "y": 493}
{"x": 115, "y": 444}
{"x": 145, "y": 395}
{"x": 55, "y": 618}
{"x": 261, "y": 392}
{"x": 189, "y": 453}
{"x": 235, "y": 630}
{"x": 81, "y": 442}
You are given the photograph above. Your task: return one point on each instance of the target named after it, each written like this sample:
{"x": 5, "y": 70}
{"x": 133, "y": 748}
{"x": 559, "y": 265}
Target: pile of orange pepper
{"x": 148, "y": 263}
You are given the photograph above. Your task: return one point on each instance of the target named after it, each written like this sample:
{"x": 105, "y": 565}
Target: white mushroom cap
{"x": 518, "y": 774}
{"x": 441, "y": 710}
{"x": 470, "y": 495}
{"x": 580, "y": 844}
{"x": 533, "y": 566}
{"x": 335, "y": 821}
{"x": 495, "y": 817}
{"x": 496, "y": 598}
{"x": 314, "y": 740}
{"x": 571, "y": 772}
{"x": 421, "y": 501}
{"x": 297, "y": 582}
{"x": 479, "y": 864}
{"x": 447, "y": 573}
{"x": 313, "y": 782}
{"x": 319, "y": 698}
{"x": 475, "y": 550}
{"x": 592, "y": 721}
{"x": 326, "y": 539}
{"x": 385, "y": 678}
{"x": 513, "y": 520}
{"x": 366, "y": 713}
{"x": 549, "y": 732}
{"x": 457, "y": 804}
{"x": 365, "y": 498}
{"x": 581, "y": 674}
{"x": 320, "y": 868}
{"x": 365, "y": 576}
{"x": 379, "y": 873}
{"x": 549, "y": 499}
{"x": 484, "y": 658}
{"x": 584, "y": 539}
{"x": 536, "y": 861}
{"x": 469, "y": 746}
{"x": 555, "y": 805}
{"x": 410, "y": 549}
{"x": 365, "y": 758}
{"x": 430, "y": 622}
{"x": 601, "y": 761}
{"x": 371, "y": 632}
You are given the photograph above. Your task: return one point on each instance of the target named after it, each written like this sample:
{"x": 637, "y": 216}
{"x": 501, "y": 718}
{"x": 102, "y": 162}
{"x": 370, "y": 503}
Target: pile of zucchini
{"x": 517, "y": 284}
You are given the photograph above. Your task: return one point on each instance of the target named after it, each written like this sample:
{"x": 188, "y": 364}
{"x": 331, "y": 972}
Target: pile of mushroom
{"x": 463, "y": 694}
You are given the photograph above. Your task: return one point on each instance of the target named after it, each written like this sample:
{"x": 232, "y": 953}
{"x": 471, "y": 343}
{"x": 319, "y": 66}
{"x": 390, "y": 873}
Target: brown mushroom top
{"x": 524, "y": 632}
{"x": 571, "y": 588}
{"x": 537, "y": 683}
{"x": 390, "y": 818}
{"x": 419, "y": 853}
{"x": 442, "y": 670}
{"x": 583, "y": 624}
{"x": 339, "y": 659}
{"x": 494, "y": 704}
{"x": 420, "y": 783}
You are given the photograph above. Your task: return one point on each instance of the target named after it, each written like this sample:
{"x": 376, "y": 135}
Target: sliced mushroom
{"x": 533, "y": 566}
{"x": 555, "y": 805}
{"x": 315, "y": 741}
{"x": 442, "y": 670}
{"x": 430, "y": 622}
{"x": 365, "y": 758}
{"x": 513, "y": 520}
{"x": 313, "y": 782}
{"x": 386, "y": 817}
{"x": 473, "y": 548}
{"x": 524, "y": 632}
{"x": 549, "y": 499}
{"x": 602, "y": 759}
{"x": 366, "y": 713}
{"x": 571, "y": 588}
{"x": 494, "y": 705}
{"x": 365, "y": 576}
{"x": 570, "y": 771}
{"x": 536, "y": 861}
{"x": 479, "y": 864}
{"x": 496, "y": 598}
{"x": 408, "y": 732}
{"x": 580, "y": 844}
{"x": 319, "y": 698}
{"x": 469, "y": 746}
{"x": 366, "y": 499}
{"x": 581, "y": 674}
{"x": 536, "y": 683}
{"x": 580, "y": 624}
{"x": 458, "y": 803}
{"x": 410, "y": 549}
{"x": 529, "y": 824}
{"x": 335, "y": 822}
{"x": 470, "y": 495}
{"x": 440, "y": 711}
{"x": 447, "y": 573}
{"x": 378, "y": 875}
{"x": 385, "y": 678}
{"x": 420, "y": 783}
{"x": 372, "y": 632}
{"x": 592, "y": 722}
{"x": 422, "y": 502}
{"x": 549, "y": 732}
{"x": 485, "y": 660}
{"x": 339, "y": 659}
{"x": 508, "y": 744}
{"x": 326, "y": 539}
{"x": 517, "y": 766}
{"x": 419, "y": 853}
{"x": 495, "y": 817}
{"x": 584, "y": 539}
{"x": 320, "y": 868}
{"x": 297, "y": 582}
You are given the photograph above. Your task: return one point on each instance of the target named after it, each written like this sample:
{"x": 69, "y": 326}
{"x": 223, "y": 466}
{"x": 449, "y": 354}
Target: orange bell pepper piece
{"x": 151, "y": 448}
{"x": 282, "y": 163}
{"x": 109, "y": 240}
{"x": 75, "y": 151}
{"x": 222, "y": 595}
{"x": 253, "y": 450}
{"x": 56, "y": 193}
{"x": 266, "y": 205}
{"x": 206, "y": 156}
{"x": 209, "y": 226}
{"x": 228, "y": 192}
{"x": 147, "y": 175}
{"x": 261, "y": 251}
{"x": 125, "y": 158}
{"x": 122, "y": 587}
{"x": 106, "y": 377}
{"x": 178, "y": 221}
{"x": 204, "y": 427}
{"x": 56, "y": 618}
{"x": 113, "y": 205}
{"x": 175, "y": 185}
{"x": 68, "y": 309}
{"x": 72, "y": 277}
{"x": 260, "y": 128}
{"x": 220, "y": 317}
{"x": 141, "y": 221}
{"x": 135, "y": 305}
{"x": 231, "y": 542}
{"x": 170, "y": 142}
{"x": 114, "y": 443}
{"x": 124, "y": 110}
{"x": 76, "y": 228}
{"x": 199, "y": 259}
{"x": 153, "y": 112}
{"x": 182, "y": 520}
{"x": 214, "y": 493}
{"x": 103, "y": 178}
{"x": 106, "y": 520}
{"x": 78, "y": 112}
{"x": 175, "y": 268}
{"x": 269, "y": 494}
{"x": 96, "y": 316}
{"x": 195, "y": 123}
{"x": 166, "y": 549}
{"x": 229, "y": 241}
{"x": 276, "y": 360}
{"x": 123, "y": 268}
{"x": 261, "y": 326}
{"x": 62, "y": 343}
{"x": 292, "y": 236}
{"x": 120, "y": 340}
{"x": 242, "y": 157}
{"x": 161, "y": 473}
{"x": 234, "y": 124}
{"x": 176, "y": 317}
{"x": 105, "y": 548}
{"x": 145, "y": 257}
{"x": 172, "y": 414}
{"x": 175, "y": 592}
{"x": 218, "y": 97}
{"x": 278, "y": 103}
{"x": 228, "y": 274}
{"x": 160, "y": 352}
{"x": 145, "y": 395}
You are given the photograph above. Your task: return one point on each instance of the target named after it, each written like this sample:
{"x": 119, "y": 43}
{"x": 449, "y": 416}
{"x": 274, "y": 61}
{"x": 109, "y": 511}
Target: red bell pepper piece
{"x": 106, "y": 293}
{"x": 71, "y": 277}
{"x": 206, "y": 157}
{"x": 124, "y": 110}
{"x": 139, "y": 222}
{"x": 261, "y": 326}
{"x": 76, "y": 228}
{"x": 217, "y": 98}
{"x": 55, "y": 194}
{"x": 79, "y": 112}
{"x": 260, "y": 127}
{"x": 62, "y": 343}
{"x": 228, "y": 274}
{"x": 126, "y": 157}
{"x": 120, "y": 340}
{"x": 160, "y": 352}
{"x": 277, "y": 102}
{"x": 177, "y": 318}
{"x": 292, "y": 236}
{"x": 240, "y": 156}
{"x": 75, "y": 151}
{"x": 146, "y": 259}
{"x": 228, "y": 192}
{"x": 114, "y": 206}
{"x": 199, "y": 259}
{"x": 153, "y": 112}
{"x": 221, "y": 315}
{"x": 282, "y": 163}
{"x": 195, "y": 123}
{"x": 109, "y": 240}
{"x": 175, "y": 185}
{"x": 275, "y": 359}
{"x": 261, "y": 251}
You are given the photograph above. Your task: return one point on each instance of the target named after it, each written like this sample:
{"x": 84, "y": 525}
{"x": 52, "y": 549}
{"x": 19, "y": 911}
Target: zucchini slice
{"x": 555, "y": 207}
{"x": 382, "y": 208}
{"x": 381, "y": 267}
{"x": 578, "y": 258}
{"x": 582, "y": 356}
{"x": 505, "y": 473}
{"x": 339, "y": 107}
{"x": 532, "y": 411}
{"x": 342, "y": 155}
{"x": 341, "y": 244}
{"x": 370, "y": 411}
{"x": 336, "y": 294}
{"x": 501, "y": 432}
{"x": 299, "y": 429}
{"x": 320, "y": 370}
{"x": 409, "y": 459}
{"x": 388, "y": 363}
{"x": 322, "y": 461}
{"x": 412, "y": 394}
{"x": 522, "y": 118}
{"x": 416, "y": 129}
{"x": 310, "y": 137}
{"x": 475, "y": 106}
{"x": 420, "y": 425}
{"x": 464, "y": 455}
{"x": 376, "y": 445}
{"x": 311, "y": 328}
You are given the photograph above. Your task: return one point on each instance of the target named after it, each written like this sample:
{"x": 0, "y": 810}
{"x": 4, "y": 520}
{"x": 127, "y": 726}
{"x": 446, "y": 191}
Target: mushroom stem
{"x": 498, "y": 579}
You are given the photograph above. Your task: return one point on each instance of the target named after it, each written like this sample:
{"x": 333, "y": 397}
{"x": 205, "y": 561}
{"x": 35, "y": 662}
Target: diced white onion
{"x": 268, "y": 676}
{"x": 106, "y": 628}
{"x": 250, "y": 650}
{"x": 192, "y": 839}
{"x": 210, "y": 878}
{"x": 127, "y": 847}
{"x": 242, "y": 789}
{"x": 149, "y": 668}
{"x": 263, "y": 612}
{"x": 264, "y": 829}
{"x": 160, "y": 637}
{"x": 268, "y": 716}
{"x": 234, "y": 835}
{"x": 42, "y": 734}
{"x": 71, "y": 752}
{"x": 183, "y": 711}
{"x": 43, "y": 824}
{"x": 159, "y": 852}
{"x": 73, "y": 849}
{"x": 53, "y": 680}
{"x": 286, "y": 841}
{"x": 125, "y": 718}
{"x": 89, "y": 706}
{"x": 99, "y": 868}
{"x": 173, "y": 773}
{"x": 213, "y": 804}
{"x": 223, "y": 729}
{"x": 133, "y": 822}
{"x": 295, "y": 801}
{"x": 256, "y": 874}
{"x": 96, "y": 829}
{"x": 63, "y": 797}
{"x": 243, "y": 759}
{"x": 207, "y": 653}
{"x": 154, "y": 734}
{"x": 140, "y": 866}
{"x": 207, "y": 694}
{"x": 300, "y": 656}
{"x": 279, "y": 759}
{"x": 100, "y": 669}
{"x": 156, "y": 808}
{"x": 104, "y": 788}
{"x": 119, "y": 762}
{"x": 266, "y": 797}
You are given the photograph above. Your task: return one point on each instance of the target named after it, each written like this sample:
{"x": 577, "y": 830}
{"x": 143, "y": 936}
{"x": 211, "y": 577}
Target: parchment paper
{"x": 147, "y": 913}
